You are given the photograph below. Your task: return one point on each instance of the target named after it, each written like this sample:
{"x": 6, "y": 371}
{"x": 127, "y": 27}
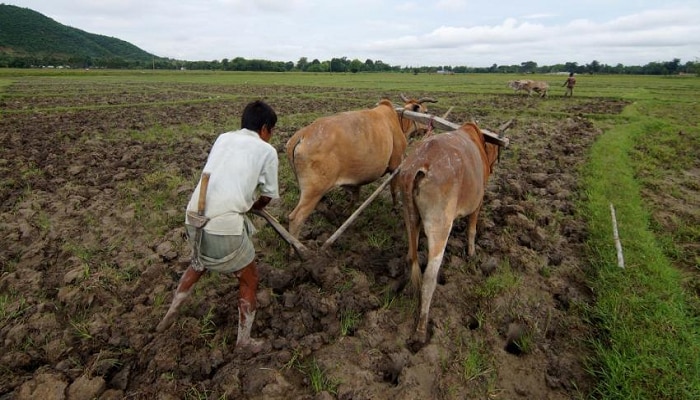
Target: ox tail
{"x": 413, "y": 220}
{"x": 291, "y": 155}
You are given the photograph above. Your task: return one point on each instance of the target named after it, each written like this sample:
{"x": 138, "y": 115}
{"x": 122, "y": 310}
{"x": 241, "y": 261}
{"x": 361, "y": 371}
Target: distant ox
{"x": 528, "y": 85}
{"x": 442, "y": 179}
{"x": 348, "y": 149}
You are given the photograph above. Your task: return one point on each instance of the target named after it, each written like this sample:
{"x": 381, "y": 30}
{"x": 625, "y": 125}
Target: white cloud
{"x": 446, "y": 32}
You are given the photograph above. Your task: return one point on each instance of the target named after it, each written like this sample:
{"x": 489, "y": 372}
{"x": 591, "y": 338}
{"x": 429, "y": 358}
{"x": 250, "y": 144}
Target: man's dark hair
{"x": 258, "y": 114}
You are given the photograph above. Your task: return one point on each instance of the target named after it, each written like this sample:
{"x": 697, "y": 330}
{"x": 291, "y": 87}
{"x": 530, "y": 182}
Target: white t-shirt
{"x": 242, "y": 166}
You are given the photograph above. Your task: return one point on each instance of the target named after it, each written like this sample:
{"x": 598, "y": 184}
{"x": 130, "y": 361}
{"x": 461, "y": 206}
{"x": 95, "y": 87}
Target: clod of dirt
{"x": 562, "y": 301}
{"x": 392, "y": 368}
{"x": 488, "y": 266}
{"x": 472, "y": 322}
{"x": 277, "y": 279}
{"x": 513, "y": 338}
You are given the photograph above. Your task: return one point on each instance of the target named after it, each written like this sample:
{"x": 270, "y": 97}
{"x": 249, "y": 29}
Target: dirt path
{"x": 85, "y": 279}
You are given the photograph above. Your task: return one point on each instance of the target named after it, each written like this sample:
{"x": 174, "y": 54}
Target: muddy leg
{"x": 354, "y": 192}
{"x": 188, "y": 279}
{"x": 307, "y": 204}
{"x": 437, "y": 240}
{"x": 471, "y": 232}
{"x": 247, "y": 286}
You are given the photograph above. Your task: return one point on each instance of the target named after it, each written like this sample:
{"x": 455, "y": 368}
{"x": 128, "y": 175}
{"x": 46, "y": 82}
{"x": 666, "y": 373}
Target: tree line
{"x": 340, "y": 65}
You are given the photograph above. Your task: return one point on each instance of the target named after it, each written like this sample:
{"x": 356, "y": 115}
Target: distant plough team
{"x": 541, "y": 88}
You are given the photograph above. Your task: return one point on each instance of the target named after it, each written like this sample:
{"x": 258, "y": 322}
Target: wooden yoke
{"x": 441, "y": 123}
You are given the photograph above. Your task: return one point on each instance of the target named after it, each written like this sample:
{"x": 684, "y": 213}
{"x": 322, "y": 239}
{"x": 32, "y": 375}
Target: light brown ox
{"x": 442, "y": 179}
{"x": 528, "y": 85}
{"x": 348, "y": 149}
{"x": 411, "y": 104}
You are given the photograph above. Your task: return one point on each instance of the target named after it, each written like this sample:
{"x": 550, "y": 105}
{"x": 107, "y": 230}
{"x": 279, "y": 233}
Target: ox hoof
{"x": 166, "y": 322}
{"x": 417, "y": 342}
{"x": 253, "y": 346}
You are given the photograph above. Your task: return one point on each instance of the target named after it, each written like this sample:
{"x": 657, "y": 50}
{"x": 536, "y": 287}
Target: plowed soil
{"x": 90, "y": 260}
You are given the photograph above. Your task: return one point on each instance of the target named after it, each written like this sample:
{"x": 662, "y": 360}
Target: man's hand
{"x": 261, "y": 202}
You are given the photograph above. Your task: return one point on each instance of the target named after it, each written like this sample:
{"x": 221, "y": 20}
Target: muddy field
{"x": 90, "y": 259}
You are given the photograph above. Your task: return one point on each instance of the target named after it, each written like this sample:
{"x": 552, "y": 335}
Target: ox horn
{"x": 404, "y": 98}
{"x": 426, "y": 99}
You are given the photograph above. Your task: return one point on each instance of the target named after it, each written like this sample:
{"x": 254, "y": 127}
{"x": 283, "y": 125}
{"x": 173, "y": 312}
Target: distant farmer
{"x": 570, "y": 83}
{"x": 241, "y": 165}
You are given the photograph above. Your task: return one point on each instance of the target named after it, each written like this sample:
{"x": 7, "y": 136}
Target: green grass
{"x": 473, "y": 360}
{"x": 503, "y": 280}
{"x": 318, "y": 378}
{"x": 11, "y": 307}
{"x": 349, "y": 321}
{"x": 648, "y": 343}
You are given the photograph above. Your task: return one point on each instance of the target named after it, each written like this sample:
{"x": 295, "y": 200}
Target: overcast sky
{"x": 474, "y": 33}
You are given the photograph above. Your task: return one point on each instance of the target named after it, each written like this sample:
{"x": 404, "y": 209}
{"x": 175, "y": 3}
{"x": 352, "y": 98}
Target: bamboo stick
{"x": 302, "y": 251}
{"x": 357, "y": 212}
{"x": 616, "y": 237}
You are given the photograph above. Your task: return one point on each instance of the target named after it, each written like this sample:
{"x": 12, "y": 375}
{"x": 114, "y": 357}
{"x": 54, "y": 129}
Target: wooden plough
{"x": 436, "y": 122}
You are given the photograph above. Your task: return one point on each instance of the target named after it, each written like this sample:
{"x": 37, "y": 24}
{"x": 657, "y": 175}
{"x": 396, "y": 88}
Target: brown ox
{"x": 411, "y": 104}
{"x": 521, "y": 84}
{"x": 528, "y": 85}
{"x": 442, "y": 179}
{"x": 349, "y": 149}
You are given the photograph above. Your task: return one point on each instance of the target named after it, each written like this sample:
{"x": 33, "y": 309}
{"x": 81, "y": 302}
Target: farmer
{"x": 570, "y": 83}
{"x": 241, "y": 165}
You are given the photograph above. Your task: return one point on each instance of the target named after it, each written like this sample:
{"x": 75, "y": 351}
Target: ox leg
{"x": 354, "y": 193}
{"x": 412, "y": 221}
{"x": 437, "y": 240}
{"x": 394, "y": 188}
{"x": 307, "y": 203}
{"x": 471, "y": 232}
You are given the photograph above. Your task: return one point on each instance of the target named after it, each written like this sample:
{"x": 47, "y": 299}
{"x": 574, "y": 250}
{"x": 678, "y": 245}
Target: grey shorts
{"x": 225, "y": 253}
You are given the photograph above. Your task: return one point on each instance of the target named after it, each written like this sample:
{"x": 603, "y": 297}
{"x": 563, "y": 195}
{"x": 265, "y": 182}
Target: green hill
{"x": 28, "y": 38}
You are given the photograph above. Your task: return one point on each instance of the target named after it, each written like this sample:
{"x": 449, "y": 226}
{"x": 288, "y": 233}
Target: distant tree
{"x": 380, "y": 66}
{"x": 316, "y": 66}
{"x": 528, "y": 67}
{"x": 594, "y": 67}
{"x": 673, "y": 67}
{"x": 303, "y": 63}
{"x": 571, "y": 67}
{"x": 356, "y": 66}
{"x": 339, "y": 64}
{"x": 238, "y": 64}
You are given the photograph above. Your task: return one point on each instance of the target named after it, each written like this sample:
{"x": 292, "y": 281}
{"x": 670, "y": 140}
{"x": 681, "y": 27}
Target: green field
{"x": 646, "y": 317}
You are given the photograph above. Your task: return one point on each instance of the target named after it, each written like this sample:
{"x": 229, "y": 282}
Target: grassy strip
{"x": 648, "y": 346}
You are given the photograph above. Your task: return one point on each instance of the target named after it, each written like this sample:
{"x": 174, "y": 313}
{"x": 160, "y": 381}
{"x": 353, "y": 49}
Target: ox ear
{"x": 493, "y": 158}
